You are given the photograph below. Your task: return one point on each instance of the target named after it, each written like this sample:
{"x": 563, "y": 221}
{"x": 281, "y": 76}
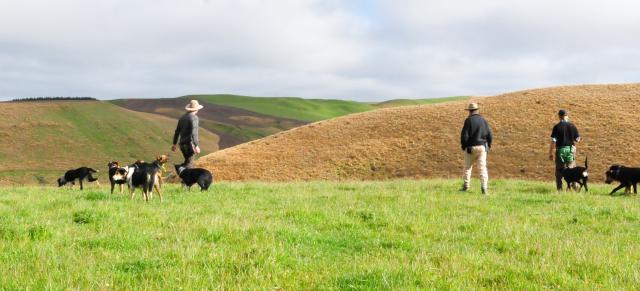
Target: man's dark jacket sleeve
{"x": 176, "y": 135}
{"x": 464, "y": 135}
{"x": 194, "y": 130}
{"x": 489, "y": 134}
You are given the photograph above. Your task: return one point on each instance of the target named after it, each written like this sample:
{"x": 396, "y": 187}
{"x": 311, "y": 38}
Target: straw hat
{"x": 193, "y": 106}
{"x": 472, "y": 106}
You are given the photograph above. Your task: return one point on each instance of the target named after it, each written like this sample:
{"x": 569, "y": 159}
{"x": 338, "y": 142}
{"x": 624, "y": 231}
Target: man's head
{"x": 193, "y": 107}
{"x": 563, "y": 114}
{"x": 472, "y": 108}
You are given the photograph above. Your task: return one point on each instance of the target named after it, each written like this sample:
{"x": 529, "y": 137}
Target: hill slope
{"x": 44, "y": 139}
{"x": 288, "y": 107}
{"x": 238, "y": 119}
{"x": 410, "y": 102}
{"x": 233, "y": 125}
{"x": 423, "y": 141}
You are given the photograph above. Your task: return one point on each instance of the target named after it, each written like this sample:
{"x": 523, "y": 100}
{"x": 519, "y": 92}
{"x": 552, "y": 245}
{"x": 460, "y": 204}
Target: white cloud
{"x": 365, "y": 50}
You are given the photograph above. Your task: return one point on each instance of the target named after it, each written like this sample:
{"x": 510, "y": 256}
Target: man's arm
{"x": 576, "y": 133}
{"x": 552, "y": 144}
{"x": 176, "y": 135}
{"x": 464, "y": 134}
{"x": 194, "y": 131}
{"x": 489, "y": 134}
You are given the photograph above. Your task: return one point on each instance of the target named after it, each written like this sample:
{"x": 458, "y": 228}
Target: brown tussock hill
{"x": 423, "y": 141}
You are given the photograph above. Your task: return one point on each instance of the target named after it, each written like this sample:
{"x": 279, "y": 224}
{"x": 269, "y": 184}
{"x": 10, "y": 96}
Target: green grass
{"x": 310, "y": 109}
{"x": 349, "y": 236}
{"x": 289, "y": 107}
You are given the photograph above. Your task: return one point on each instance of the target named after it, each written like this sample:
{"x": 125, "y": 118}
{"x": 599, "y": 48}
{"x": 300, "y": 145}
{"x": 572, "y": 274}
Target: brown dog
{"x": 161, "y": 159}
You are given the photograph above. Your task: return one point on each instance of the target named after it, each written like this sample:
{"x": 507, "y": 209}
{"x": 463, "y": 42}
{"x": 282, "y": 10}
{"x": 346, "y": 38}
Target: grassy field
{"x": 289, "y": 107}
{"x": 310, "y": 109}
{"x": 321, "y": 235}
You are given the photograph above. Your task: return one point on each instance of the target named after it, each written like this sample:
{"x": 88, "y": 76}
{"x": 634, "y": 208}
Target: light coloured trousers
{"x": 477, "y": 156}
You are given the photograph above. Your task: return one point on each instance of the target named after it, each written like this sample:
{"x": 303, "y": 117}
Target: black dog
{"x": 142, "y": 175}
{"x": 115, "y": 175}
{"x": 626, "y": 176}
{"x": 577, "y": 175}
{"x": 199, "y": 176}
{"x": 80, "y": 174}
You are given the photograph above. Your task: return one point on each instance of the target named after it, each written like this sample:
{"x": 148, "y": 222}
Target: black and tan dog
{"x": 161, "y": 160}
{"x": 627, "y": 177}
{"x": 79, "y": 174}
{"x": 142, "y": 175}
{"x": 577, "y": 175}
{"x": 115, "y": 175}
{"x": 146, "y": 176}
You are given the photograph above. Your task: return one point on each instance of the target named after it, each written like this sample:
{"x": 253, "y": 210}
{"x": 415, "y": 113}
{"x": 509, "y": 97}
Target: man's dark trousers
{"x": 188, "y": 153}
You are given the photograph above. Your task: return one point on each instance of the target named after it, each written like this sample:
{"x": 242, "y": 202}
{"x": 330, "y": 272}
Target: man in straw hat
{"x": 475, "y": 139}
{"x": 186, "y": 134}
{"x": 564, "y": 135}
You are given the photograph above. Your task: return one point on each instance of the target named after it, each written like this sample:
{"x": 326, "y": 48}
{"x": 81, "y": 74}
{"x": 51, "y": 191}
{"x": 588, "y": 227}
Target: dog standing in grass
{"x": 476, "y": 139}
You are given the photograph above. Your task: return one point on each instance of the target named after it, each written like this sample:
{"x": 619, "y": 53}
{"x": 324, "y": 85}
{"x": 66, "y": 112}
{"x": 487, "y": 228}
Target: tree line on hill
{"x": 35, "y": 99}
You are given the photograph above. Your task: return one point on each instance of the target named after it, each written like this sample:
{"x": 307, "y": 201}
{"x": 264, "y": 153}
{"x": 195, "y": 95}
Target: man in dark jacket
{"x": 187, "y": 133}
{"x": 563, "y": 138}
{"x": 475, "y": 139}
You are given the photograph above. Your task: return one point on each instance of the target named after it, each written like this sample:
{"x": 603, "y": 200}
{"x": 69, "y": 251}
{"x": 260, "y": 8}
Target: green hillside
{"x": 288, "y": 107}
{"x": 44, "y": 139}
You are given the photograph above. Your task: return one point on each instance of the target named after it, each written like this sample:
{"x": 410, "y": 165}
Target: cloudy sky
{"x": 347, "y": 49}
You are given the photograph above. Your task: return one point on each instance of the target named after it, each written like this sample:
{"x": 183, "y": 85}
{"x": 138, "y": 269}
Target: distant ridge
{"x": 38, "y": 99}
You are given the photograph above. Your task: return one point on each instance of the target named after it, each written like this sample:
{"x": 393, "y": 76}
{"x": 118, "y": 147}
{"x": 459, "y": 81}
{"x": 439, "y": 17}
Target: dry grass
{"x": 423, "y": 141}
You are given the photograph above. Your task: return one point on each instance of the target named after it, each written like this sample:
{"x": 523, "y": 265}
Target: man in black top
{"x": 563, "y": 138}
{"x": 187, "y": 133}
{"x": 475, "y": 139}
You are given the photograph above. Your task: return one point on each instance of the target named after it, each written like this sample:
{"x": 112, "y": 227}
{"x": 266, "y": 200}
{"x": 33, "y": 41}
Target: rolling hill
{"x": 288, "y": 107}
{"x": 233, "y": 125}
{"x": 44, "y": 139}
{"x": 423, "y": 141}
{"x": 239, "y": 119}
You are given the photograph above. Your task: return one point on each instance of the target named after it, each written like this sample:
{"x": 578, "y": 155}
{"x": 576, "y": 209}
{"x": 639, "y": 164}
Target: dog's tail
{"x": 586, "y": 162}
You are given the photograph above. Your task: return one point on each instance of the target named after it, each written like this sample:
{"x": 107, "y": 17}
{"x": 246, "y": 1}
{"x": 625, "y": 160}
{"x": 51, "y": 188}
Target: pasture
{"x": 320, "y": 235}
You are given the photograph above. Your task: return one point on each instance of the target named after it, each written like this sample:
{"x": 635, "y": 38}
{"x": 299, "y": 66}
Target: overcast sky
{"x": 346, "y": 49}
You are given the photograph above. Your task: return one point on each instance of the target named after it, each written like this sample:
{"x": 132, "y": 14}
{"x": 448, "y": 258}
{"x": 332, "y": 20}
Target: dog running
{"x": 626, "y": 176}
{"x": 577, "y": 175}
{"x": 79, "y": 174}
